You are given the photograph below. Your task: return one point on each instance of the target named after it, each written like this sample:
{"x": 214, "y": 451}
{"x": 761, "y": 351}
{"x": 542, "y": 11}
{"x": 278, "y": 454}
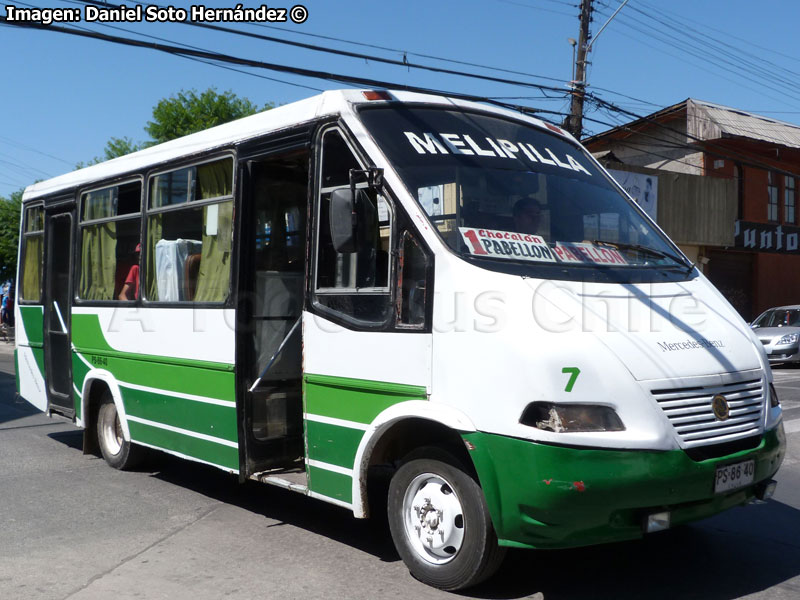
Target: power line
{"x": 728, "y": 63}
{"x": 541, "y": 8}
{"x": 21, "y": 145}
{"x": 727, "y": 33}
{"x": 325, "y": 75}
{"x": 153, "y": 37}
{"x": 316, "y": 48}
{"x": 739, "y": 58}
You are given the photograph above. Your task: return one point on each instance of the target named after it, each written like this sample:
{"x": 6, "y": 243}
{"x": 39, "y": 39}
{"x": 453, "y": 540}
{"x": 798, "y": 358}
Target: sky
{"x": 63, "y": 97}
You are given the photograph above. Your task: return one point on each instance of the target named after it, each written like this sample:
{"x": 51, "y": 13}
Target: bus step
{"x": 296, "y": 481}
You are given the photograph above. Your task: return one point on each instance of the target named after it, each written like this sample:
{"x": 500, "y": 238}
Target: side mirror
{"x": 353, "y": 220}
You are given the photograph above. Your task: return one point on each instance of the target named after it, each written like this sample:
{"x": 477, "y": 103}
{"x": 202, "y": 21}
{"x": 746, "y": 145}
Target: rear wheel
{"x": 117, "y": 452}
{"x": 440, "y": 523}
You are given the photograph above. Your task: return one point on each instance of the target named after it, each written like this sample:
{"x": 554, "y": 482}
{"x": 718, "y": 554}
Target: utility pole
{"x": 574, "y": 123}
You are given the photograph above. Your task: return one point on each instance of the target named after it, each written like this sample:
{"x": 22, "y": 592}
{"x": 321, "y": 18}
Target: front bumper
{"x": 783, "y": 353}
{"x": 544, "y": 496}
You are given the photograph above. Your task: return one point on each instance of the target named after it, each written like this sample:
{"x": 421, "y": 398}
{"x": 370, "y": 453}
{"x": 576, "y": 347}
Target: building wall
{"x": 752, "y": 280}
{"x": 658, "y": 148}
{"x": 776, "y": 281}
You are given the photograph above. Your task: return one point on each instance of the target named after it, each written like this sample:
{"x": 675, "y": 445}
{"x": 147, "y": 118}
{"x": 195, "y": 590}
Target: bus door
{"x": 272, "y": 283}
{"x": 57, "y": 309}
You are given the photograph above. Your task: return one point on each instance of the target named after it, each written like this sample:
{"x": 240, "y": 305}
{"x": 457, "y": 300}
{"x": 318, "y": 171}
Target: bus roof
{"x": 326, "y": 104}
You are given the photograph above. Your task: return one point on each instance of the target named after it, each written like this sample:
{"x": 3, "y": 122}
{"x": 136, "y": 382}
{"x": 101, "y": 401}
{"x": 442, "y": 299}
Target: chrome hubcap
{"x": 111, "y": 430}
{"x": 433, "y": 518}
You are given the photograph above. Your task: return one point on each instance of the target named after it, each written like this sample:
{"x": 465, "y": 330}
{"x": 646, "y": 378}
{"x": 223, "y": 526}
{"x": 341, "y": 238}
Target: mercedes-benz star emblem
{"x": 719, "y": 404}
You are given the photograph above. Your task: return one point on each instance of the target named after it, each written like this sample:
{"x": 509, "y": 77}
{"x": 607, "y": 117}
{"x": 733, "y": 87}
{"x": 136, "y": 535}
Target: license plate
{"x": 730, "y": 477}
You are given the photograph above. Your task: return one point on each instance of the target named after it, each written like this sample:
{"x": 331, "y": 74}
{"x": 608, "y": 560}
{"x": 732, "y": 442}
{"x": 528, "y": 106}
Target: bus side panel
{"x": 346, "y": 385}
{"x": 338, "y": 411}
{"x": 182, "y": 405}
{"x": 30, "y": 355}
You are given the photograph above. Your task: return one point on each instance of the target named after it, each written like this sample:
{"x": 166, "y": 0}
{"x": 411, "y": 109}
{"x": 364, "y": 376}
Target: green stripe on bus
{"x": 16, "y": 369}
{"x": 79, "y": 371}
{"x": 330, "y": 484}
{"x": 38, "y": 356}
{"x": 88, "y": 338}
{"x": 33, "y": 323}
{"x": 358, "y": 400}
{"x": 199, "y": 417}
{"x": 211, "y": 452}
{"x": 187, "y": 379}
{"x": 332, "y": 444}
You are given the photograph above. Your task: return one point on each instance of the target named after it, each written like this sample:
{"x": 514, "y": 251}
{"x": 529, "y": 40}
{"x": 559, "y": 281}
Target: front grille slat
{"x": 693, "y": 418}
{"x": 713, "y": 424}
{"x": 746, "y": 429}
{"x": 705, "y": 400}
{"x": 678, "y": 412}
{"x": 709, "y": 392}
{"x": 689, "y": 410}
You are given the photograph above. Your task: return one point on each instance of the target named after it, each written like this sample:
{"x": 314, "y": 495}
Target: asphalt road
{"x": 73, "y": 528}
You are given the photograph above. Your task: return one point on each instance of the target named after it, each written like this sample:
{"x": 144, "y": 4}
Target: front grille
{"x": 689, "y": 410}
{"x": 767, "y": 341}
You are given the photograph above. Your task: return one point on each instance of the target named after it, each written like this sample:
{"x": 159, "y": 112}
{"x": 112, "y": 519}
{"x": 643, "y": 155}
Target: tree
{"x": 184, "y": 113}
{"x": 115, "y": 147}
{"x": 9, "y": 234}
{"x": 120, "y": 147}
{"x": 188, "y": 112}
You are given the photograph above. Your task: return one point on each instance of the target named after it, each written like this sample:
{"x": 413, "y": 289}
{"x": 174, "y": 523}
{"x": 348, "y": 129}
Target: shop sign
{"x": 767, "y": 237}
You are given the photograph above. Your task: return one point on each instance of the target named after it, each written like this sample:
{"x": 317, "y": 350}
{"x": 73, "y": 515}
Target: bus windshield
{"x": 515, "y": 198}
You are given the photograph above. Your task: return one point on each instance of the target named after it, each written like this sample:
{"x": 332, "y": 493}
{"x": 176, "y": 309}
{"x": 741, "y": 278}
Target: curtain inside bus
{"x": 154, "y": 230}
{"x": 215, "y": 180}
{"x": 99, "y": 247}
{"x": 32, "y": 268}
{"x": 215, "y": 264}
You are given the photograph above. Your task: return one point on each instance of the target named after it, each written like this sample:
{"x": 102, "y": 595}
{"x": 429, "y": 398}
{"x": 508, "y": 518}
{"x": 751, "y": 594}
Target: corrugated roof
{"x": 713, "y": 121}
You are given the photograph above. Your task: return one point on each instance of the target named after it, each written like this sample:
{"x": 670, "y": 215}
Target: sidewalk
{"x": 7, "y": 341}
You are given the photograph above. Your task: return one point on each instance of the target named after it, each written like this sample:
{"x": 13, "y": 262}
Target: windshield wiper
{"x": 644, "y": 250}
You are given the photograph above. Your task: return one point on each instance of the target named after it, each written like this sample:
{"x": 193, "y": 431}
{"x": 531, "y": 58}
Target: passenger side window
{"x": 353, "y": 284}
{"x": 189, "y": 233}
{"x": 110, "y": 224}
{"x": 32, "y": 254}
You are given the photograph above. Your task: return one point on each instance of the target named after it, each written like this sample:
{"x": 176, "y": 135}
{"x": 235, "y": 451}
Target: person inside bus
{"x": 527, "y": 214}
{"x": 130, "y": 288}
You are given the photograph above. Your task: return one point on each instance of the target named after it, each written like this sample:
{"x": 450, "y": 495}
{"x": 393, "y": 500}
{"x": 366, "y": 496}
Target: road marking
{"x": 792, "y": 426}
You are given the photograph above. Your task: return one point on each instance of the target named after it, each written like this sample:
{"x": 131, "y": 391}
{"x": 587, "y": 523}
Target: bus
{"x": 367, "y": 286}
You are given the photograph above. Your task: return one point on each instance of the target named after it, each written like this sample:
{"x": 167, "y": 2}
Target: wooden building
{"x": 727, "y": 194}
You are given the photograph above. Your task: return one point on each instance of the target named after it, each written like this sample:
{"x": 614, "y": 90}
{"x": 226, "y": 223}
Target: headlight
{"x": 773, "y": 397}
{"x": 789, "y": 338}
{"x": 571, "y": 417}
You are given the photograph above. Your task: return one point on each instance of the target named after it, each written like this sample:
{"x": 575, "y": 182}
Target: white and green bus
{"x": 367, "y": 283}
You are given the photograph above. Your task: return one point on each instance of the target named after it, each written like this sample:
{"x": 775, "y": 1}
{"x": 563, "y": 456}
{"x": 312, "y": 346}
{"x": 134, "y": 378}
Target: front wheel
{"x": 440, "y": 524}
{"x": 117, "y": 452}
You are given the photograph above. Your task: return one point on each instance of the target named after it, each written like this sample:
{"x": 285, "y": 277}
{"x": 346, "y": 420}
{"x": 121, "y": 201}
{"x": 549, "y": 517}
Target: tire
{"x": 440, "y": 523}
{"x": 116, "y": 451}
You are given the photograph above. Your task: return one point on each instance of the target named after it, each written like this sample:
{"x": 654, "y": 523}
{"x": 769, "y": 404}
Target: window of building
{"x": 189, "y": 233}
{"x": 353, "y": 284}
{"x": 772, "y": 197}
{"x": 789, "y": 200}
{"x": 110, "y": 232}
{"x": 32, "y": 254}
